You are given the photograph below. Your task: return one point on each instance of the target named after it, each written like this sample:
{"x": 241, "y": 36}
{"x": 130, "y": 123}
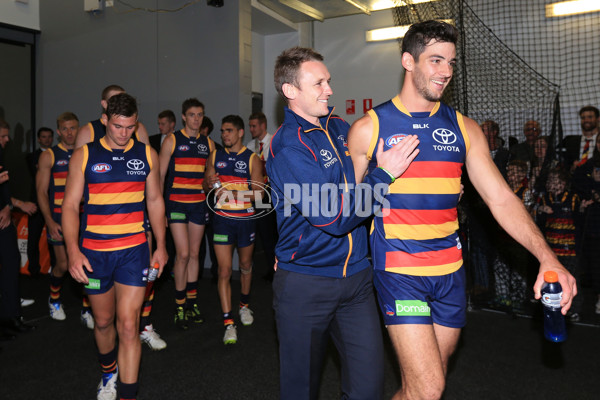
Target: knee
{"x": 127, "y": 328}
{"x": 224, "y": 272}
{"x": 103, "y": 322}
{"x": 245, "y": 267}
{"x": 183, "y": 257}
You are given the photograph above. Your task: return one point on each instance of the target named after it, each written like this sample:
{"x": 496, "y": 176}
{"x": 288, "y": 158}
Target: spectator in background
{"x": 166, "y": 126}
{"x": 543, "y": 161}
{"x": 499, "y": 154}
{"x": 590, "y": 232}
{"x": 524, "y": 151}
{"x": 577, "y": 149}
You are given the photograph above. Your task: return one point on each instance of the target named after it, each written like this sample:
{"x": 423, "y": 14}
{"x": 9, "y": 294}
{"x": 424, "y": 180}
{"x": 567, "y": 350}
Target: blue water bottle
{"x": 554, "y": 322}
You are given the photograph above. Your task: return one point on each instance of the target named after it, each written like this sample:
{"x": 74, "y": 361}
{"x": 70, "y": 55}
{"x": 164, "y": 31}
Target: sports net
{"x": 514, "y": 64}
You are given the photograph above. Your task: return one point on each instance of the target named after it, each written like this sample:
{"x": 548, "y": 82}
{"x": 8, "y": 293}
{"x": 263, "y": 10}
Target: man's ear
{"x": 104, "y": 119}
{"x": 104, "y": 104}
{"x": 408, "y": 62}
{"x": 289, "y": 91}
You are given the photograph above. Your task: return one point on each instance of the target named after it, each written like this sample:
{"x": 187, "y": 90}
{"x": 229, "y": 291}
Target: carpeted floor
{"x": 499, "y": 356}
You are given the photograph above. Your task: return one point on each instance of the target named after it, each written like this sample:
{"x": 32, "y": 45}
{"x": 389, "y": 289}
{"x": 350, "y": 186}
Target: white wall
{"x": 22, "y": 15}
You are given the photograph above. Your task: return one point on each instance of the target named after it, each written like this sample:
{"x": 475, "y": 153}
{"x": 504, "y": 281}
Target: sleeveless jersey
{"x": 186, "y": 168}
{"x": 115, "y": 181}
{"x": 234, "y": 171}
{"x": 98, "y": 131}
{"x": 415, "y": 234}
{"x": 58, "y": 178}
{"x": 559, "y": 229}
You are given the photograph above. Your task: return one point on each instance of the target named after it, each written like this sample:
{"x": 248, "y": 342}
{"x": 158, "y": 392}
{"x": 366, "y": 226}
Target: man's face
{"x": 165, "y": 126}
{"x": 433, "y": 71}
{"x": 515, "y": 175}
{"x": 193, "y": 118}
{"x": 588, "y": 120}
{"x": 45, "y": 139}
{"x": 67, "y": 132}
{"x": 230, "y": 135}
{"x": 257, "y": 130}
{"x": 555, "y": 185}
{"x": 531, "y": 131}
{"x": 490, "y": 134}
{"x": 119, "y": 129}
{"x": 4, "y": 138}
{"x": 313, "y": 91}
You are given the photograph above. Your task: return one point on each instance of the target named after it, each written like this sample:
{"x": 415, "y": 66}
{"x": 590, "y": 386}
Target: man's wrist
{"x": 392, "y": 177}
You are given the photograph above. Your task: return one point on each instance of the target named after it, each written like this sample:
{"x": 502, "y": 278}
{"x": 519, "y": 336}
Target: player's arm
{"x": 84, "y": 135}
{"x": 256, "y": 177}
{"x": 42, "y": 181}
{"x": 27, "y": 207}
{"x": 142, "y": 133}
{"x": 70, "y": 217}
{"x": 156, "y": 212}
{"x": 511, "y": 214}
{"x": 164, "y": 158}
{"x": 395, "y": 161}
{"x": 210, "y": 176}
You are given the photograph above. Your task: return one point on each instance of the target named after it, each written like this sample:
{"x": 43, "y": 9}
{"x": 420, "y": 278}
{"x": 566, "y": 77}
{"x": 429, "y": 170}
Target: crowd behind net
{"x": 514, "y": 65}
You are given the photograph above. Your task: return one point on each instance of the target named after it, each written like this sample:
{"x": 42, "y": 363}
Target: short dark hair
{"x": 520, "y": 164}
{"x": 44, "y": 129}
{"x": 66, "y": 116}
{"x": 207, "y": 123}
{"x": 235, "y": 120}
{"x": 420, "y": 34}
{"x": 4, "y": 124}
{"x": 560, "y": 173}
{"x": 168, "y": 114}
{"x": 121, "y": 104}
{"x": 493, "y": 125}
{"x": 262, "y": 119}
{"x": 288, "y": 63}
{"x": 111, "y": 88}
{"x": 590, "y": 108}
{"x": 189, "y": 103}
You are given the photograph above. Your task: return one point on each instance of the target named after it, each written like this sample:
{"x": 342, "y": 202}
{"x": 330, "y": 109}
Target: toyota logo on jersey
{"x": 444, "y": 136}
{"x": 135, "y": 164}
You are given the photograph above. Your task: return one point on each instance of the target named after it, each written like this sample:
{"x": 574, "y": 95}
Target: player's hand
{"x": 3, "y": 176}
{"x": 160, "y": 257}
{"x": 5, "y": 217}
{"x": 545, "y": 209}
{"x": 77, "y": 261}
{"x": 397, "y": 159}
{"x": 28, "y": 207}
{"x": 566, "y": 280}
{"x": 55, "y": 231}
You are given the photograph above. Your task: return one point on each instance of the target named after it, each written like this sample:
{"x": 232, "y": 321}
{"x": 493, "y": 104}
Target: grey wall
{"x": 160, "y": 58}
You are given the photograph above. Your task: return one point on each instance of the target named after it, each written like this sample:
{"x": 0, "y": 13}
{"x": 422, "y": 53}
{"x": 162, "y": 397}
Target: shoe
{"x": 26, "y": 302}
{"x": 598, "y": 307}
{"x": 107, "y": 388}
{"x": 194, "y": 315}
{"x": 17, "y": 325}
{"x": 180, "y": 319}
{"x": 246, "y": 316}
{"x": 87, "y": 319}
{"x": 152, "y": 338}
{"x": 57, "y": 311}
{"x": 230, "y": 336}
{"x": 574, "y": 317}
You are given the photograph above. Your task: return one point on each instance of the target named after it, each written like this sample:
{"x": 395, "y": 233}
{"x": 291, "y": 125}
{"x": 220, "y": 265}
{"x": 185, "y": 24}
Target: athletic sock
{"x": 179, "y": 298}
{"x": 191, "y": 294}
{"x": 108, "y": 361}
{"x": 146, "y": 310}
{"x": 227, "y": 318}
{"x": 55, "y": 287}
{"x": 244, "y": 299}
{"x": 85, "y": 302}
{"x": 128, "y": 391}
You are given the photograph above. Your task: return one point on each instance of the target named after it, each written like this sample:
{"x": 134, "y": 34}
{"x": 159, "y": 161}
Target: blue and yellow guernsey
{"x": 115, "y": 182}
{"x": 234, "y": 171}
{"x": 58, "y": 178}
{"x": 416, "y": 232}
{"x": 186, "y": 168}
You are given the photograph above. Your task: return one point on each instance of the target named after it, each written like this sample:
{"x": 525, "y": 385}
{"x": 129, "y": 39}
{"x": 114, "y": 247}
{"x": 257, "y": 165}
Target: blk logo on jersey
{"x": 62, "y": 163}
{"x": 221, "y": 164}
{"x": 420, "y": 126}
{"x": 101, "y": 168}
{"x": 183, "y": 147}
{"x": 393, "y": 140}
{"x": 445, "y": 138}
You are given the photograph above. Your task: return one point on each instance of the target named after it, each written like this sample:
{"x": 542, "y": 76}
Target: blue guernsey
{"x": 319, "y": 208}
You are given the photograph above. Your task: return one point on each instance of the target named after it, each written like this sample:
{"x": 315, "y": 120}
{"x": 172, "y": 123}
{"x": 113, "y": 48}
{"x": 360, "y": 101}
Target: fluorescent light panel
{"x": 385, "y": 4}
{"x": 572, "y": 7}
{"x": 360, "y": 6}
{"x": 304, "y": 9}
{"x": 393, "y": 32}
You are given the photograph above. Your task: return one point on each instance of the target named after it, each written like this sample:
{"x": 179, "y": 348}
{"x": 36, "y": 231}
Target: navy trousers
{"x": 311, "y": 309}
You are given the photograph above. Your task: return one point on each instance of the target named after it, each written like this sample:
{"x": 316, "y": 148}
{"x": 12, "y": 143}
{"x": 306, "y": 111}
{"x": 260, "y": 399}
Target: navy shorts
{"x": 239, "y": 232}
{"x": 408, "y": 299}
{"x": 196, "y": 213}
{"x": 127, "y": 267}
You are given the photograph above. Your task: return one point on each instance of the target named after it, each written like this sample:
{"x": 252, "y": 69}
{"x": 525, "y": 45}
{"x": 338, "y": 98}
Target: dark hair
{"x": 4, "y": 124}
{"x": 111, "y": 88}
{"x": 168, "y": 114}
{"x": 288, "y": 63}
{"x": 493, "y": 125}
{"x": 590, "y": 108}
{"x": 235, "y": 120}
{"x": 64, "y": 117}
{"x": 189, "y": 103}
{"x": 207, "y": 123}
{"x": 560, "y": 173}
{"x": 520, "y": 164}
{"x": 420, "y": 34}
{"x": 44, "y": 129}
{"x": 262, "y": 119}
{"x": 121, "y": 104}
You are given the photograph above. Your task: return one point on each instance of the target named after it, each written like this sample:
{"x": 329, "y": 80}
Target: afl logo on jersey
{"x": 444, "y": 136}
{"x": 101, "y": 168}
{"x": 393, "y": 140}
{"x": 62, "y": 163}
{"x": 240, "y": 165}
{"x": 135, "y": 164}
{"x": 202, "y": 148}
{"x": 183, "y": 147}
{"x": 221, "y": 164}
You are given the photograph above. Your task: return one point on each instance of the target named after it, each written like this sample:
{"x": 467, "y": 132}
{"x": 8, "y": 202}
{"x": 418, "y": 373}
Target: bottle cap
{"x": 550, "y": 276}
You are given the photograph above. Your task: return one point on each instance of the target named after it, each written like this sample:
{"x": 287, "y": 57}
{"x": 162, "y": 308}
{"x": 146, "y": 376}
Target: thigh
{"x": 179, "y": 231}
{"x": 196, "y": 233}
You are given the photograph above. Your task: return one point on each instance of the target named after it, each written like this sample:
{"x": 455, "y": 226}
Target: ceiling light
{"x": 571, "y": 7}
{"x": 304, "y": 9}
{"x": 360, "y": 6}
{"x": 385, "y": 4}
{"x": 394, "y": 32}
